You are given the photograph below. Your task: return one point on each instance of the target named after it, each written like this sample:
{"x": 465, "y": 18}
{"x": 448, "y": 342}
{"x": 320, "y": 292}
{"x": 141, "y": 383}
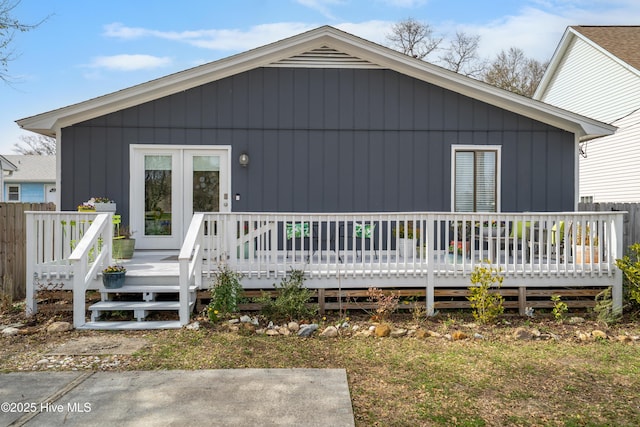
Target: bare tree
{"x": 8, "y": 27}
{"x": 413, "y": 38}
{"x": 513, "y": 71}
{"x": 38, "y": 145}
{"x": 462, "y": 55}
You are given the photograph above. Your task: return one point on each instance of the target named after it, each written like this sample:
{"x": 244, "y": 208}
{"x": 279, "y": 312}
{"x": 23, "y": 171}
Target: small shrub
{"x": 604, "y": 308}
{"x": 386, "y": 304}
{"x": 292, "y": 300}
{"x": 559, "y": 307}
{"x": 630, "y": 266}
{"x": 486, "y": 302}
{"x": 225, "y": 294}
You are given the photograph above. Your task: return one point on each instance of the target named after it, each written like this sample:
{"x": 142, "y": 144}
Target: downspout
{"x": 58, "y": 167}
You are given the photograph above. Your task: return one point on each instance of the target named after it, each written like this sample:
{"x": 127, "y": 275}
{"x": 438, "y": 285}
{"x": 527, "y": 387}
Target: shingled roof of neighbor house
{"x": 32, "y": 168}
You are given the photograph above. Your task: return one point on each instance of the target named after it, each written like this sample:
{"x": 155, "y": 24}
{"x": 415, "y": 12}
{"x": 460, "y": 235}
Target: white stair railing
{"x": 190, "y": 261}
{"x": 90, "y": 256}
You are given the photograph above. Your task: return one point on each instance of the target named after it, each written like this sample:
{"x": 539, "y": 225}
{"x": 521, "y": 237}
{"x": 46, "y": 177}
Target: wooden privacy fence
{"x": 13, "y": 234}
{"x": 631, "y": 227}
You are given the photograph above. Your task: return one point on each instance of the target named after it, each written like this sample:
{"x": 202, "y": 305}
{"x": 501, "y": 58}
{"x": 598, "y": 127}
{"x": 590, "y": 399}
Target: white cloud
{"x": 129, "y": 62}
{"x": 216, "y": 39}
{"x": 322, "y": 6}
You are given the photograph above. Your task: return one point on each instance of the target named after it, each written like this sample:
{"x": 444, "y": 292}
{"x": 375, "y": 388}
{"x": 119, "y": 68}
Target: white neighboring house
{"x": 33, "y": 180}
{"x": 595, "y": 71}
{"x": 6, "y": 167}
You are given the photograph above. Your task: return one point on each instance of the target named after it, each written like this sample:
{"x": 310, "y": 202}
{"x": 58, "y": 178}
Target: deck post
{"x": 617, "y": 244}
{"x": 31, "y": 302}
{"x": 430, "y": 290}
{"x": 79, "y": 297}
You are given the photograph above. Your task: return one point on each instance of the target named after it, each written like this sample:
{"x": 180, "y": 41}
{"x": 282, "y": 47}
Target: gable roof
{"x": 6, "y": 165}
{"x": 323, "y": 47}
{"x": 32, "y": 168}
{"x": 620, "y": 43}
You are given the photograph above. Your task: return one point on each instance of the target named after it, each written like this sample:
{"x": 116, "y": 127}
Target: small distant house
{"x": 595, "y": 72}
{"x": 6, "y": 167}
{"x": 32, "y": 181}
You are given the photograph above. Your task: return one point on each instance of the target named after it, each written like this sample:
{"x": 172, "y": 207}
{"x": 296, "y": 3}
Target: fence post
{"x": 30, "y": 297}
{"x": 617, "y": 245}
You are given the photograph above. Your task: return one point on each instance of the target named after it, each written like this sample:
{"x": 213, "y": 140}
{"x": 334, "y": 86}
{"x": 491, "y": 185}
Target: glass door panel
{"x": 158, "y": 178}
{"x": 206, "y": 183}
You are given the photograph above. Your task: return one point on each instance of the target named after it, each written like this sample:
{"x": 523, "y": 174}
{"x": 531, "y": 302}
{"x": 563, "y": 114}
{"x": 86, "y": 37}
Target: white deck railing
{"x": 66, "y": 246}
{"x": 440, "y": 245}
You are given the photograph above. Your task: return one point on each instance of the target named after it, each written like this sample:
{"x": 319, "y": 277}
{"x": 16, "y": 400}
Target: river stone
{"x": 10, "y": 331}
{"x": 330, "y": 332}
{"x": 382, "y": 330}
{"x": 293, "y": 326}
{"x": 598, "y": 334}
{"x": 398, "y": 333}
{"x": 307, "y": 330}
{"x": 57, "y": 327}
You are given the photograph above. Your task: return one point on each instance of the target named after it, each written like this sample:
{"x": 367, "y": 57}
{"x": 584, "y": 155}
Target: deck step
{"x": 132, "y": 325}
{"x": 147, "y": 288}
{"x": 135, "y": 305}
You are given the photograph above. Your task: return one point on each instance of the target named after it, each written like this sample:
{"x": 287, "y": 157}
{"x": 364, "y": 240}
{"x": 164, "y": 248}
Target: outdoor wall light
{"x": 244, "y": 160}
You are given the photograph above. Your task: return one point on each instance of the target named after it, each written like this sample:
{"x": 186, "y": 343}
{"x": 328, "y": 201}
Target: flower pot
{"x": 406, "y": 248}
{"x": 123, "y": 248}
{"x": 113, "y": 280}
{"x": 86, "y": 209}
{"x": 105, "y": 207}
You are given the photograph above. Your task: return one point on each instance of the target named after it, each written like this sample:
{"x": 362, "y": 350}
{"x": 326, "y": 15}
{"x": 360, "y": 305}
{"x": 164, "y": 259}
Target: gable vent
{"x": 324, "y": 57}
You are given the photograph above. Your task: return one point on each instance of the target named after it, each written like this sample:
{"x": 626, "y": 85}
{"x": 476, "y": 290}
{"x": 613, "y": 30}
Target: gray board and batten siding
{"x": 327, "y": 140}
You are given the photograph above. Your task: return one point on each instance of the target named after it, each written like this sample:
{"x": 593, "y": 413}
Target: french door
{"x": 169, "y": 184}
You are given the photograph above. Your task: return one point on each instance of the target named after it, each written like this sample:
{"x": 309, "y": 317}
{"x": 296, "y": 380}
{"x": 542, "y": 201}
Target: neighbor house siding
{"x": 593, "y": 84}
{"x": 327, "y": 140}
{"x": 609, "y": 172}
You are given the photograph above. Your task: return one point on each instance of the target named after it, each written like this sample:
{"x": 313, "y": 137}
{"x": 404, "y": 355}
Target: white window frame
{"x": 460, "y": 147}
{"x": 9, "y": 186}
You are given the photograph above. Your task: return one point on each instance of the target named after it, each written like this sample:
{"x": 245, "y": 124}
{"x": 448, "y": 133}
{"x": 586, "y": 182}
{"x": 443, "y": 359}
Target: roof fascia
{"x": 6, "y": 165}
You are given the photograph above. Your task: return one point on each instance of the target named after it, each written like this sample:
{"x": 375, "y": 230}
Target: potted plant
{"x": 113, "y": 276}
{"x": 123, "y": 244}
{"x": 406, "y": 235}
{"x": 103, "y": 204}
{"x": 456, "y": 250}
{"x": 86, "y": 207}
{"x": 590, "y": 252}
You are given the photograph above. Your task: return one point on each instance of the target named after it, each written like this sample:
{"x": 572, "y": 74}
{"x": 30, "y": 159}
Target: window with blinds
{"x": 475, "y": 180}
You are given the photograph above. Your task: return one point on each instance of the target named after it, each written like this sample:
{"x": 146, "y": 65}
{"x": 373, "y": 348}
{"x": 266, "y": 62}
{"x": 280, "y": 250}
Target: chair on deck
{"x": 366, "y": 232}
{"x": 519, "y": 237}
{"x": 297, "y": 234}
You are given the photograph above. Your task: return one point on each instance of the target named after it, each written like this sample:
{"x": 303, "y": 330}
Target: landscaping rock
{"x": 272, "y": 332}
{"x": 421, "y": 334}
{"x": 344, "y": 325}
{"x": 293, "y": 326}
{"x": 583, "y": 337}
{"x": 398, "y": 333}
{"x": 575, "y": 320}
{"x": 625, "y": 338}
{"x": 307, "y": 330}
{"x": 245, "y": 319}
{"x": 57, "y": 327}
{"x": 193, "y": 326}
{"x": 330, "y": 332}
{"x": 522, "y": 334}
{"x": 10, "y": 331}
{"x": 434, "y": 334}
{"x": 283, "y": 330}
{"x": 478, "y": 336}
{"x": 382, "y": 330}
{"x": 598, "y": 334}
{"x": 459, "y": 335}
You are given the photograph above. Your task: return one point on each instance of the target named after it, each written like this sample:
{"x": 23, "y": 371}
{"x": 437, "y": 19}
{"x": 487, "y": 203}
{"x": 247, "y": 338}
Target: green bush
{"x": 630, "y": 266}
{"x": 559, "y": 307}
{"x": 292, "y": 300}
{"x": 486, "y": 302}
{"x": 225, "y": 294}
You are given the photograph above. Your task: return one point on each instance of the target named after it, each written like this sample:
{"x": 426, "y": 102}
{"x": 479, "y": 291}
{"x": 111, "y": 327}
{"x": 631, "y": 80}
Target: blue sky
{"x": 89, "y": 48}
